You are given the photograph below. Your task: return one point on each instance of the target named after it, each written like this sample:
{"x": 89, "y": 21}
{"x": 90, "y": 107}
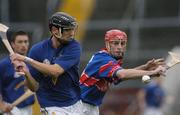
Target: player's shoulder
{"x": 39, "y": 45}
{"x": 74, "y": 42}
{"x": 100, "y": 58}
{"x": 73, "y": 45}
{"x": 103, "y": 55}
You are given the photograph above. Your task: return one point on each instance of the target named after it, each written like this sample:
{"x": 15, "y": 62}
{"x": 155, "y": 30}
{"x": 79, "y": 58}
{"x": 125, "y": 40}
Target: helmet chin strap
{"x": 59, "y": 34}
{"x": 59, "y": 37}
{"x": 119, "y": 57}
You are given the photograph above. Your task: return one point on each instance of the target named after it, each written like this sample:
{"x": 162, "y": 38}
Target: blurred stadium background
{"x": 153, "y": 28}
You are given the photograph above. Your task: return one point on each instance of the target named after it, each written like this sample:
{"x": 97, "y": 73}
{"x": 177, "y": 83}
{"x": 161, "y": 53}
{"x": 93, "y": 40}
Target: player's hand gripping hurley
{"x": 3, "y": 32}
{"x": 174, "y": 60}
{"x": 27, "y": 94}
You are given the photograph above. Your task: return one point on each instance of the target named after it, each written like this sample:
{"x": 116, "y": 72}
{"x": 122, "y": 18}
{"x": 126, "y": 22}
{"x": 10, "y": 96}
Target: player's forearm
{"x": 53, "y": 70}
{"x": 31, "y": 83}
{"x": 142, "y": 67}
{"x": 132, "y": 73}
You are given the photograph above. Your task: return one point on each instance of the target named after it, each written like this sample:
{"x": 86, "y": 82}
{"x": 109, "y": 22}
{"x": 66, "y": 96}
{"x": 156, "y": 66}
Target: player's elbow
{"x": 57, "y": 71}
{"x": 122, "y": 74}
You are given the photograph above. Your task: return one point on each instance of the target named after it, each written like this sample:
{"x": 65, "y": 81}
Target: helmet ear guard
{"x": 57, "y": 34}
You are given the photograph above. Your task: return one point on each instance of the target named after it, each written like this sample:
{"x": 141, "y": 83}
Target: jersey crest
{"x": 46, "y": 61}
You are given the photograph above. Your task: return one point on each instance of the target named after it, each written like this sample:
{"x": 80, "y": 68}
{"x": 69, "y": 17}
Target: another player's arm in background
{"x": 126, "y": 74}
{"x": 3, "y": 106}
{"x": 31, "y": 83}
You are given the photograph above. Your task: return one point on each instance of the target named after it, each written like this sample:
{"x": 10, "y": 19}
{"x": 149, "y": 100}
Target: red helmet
{"x": 115, "y": 34}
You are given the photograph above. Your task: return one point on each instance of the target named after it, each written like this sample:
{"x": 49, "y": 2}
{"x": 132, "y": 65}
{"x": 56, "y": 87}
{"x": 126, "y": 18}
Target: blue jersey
{"x": 64, "y": 90}
{"x": 101, "y": 68}
{"x": 12, "y": 85}
{"x": 154, "y": 95}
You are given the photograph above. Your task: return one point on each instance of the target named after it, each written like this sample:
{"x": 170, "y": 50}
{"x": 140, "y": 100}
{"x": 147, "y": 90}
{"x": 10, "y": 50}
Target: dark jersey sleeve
{"x": 70, "y": 56}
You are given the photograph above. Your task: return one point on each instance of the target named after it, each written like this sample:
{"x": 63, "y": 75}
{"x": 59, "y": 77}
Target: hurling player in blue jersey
{"x": 54, "y": 65}
{"x": 11, "y": 84}
{"x": 105, "y": 68}
{"x": 151, "y": 98}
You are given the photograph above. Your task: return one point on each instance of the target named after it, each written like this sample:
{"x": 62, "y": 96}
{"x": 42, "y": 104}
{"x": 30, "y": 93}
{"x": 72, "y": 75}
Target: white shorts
{"x": 26, "y": 110}
{"x": 90, "y": 109}
{"x": 75, "y": 109}
{"x": 20, "y": 111}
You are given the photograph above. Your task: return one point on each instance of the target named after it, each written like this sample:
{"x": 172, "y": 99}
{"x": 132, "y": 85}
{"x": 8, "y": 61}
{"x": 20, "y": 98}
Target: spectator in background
{"x": 105, "y": 67}
{"x": 11, "y": 84}
{"x": 151, "y": 98}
